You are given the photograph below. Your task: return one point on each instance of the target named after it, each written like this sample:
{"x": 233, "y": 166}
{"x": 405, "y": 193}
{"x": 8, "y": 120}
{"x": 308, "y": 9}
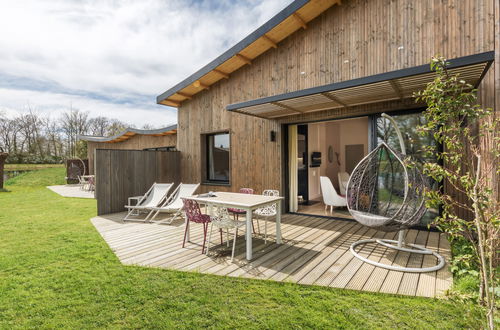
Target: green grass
{"x": 57, "y": 272}
{"x": 39, "y": 178}
{"x": 30, "y": 167}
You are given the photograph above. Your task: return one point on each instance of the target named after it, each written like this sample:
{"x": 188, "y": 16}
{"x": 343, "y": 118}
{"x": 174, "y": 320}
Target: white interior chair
{"x": 223, "y": 221}
{"x": 267, "y": 212}
{"x": 330, "y": 196}
{"x": 343, "y": 179}
{"x": 154, "y": 197}
{"x": 174, "y": 203}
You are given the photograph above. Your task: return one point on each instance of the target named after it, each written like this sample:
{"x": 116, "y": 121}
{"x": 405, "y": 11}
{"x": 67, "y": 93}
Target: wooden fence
{"x": 3, "y": 156}
{"x": 124, "y": 173}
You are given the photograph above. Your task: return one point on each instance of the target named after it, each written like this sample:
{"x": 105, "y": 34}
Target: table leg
{"x": 186, "y": 223}
{"x": 278, "y": 222}
{"x": 249, "y": 234}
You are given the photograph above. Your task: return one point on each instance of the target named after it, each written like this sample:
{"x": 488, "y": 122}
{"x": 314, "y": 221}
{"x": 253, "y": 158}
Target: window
{"x": 161, "y": 149}
{"x": 217, "y": 151}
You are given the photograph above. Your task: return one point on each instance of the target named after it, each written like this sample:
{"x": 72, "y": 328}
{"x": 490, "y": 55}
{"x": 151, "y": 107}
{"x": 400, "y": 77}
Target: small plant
{"x": 468, "y": 165}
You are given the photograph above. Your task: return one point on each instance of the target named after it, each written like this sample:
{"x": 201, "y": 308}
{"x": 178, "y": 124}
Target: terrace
{"x": 315, "y": 251}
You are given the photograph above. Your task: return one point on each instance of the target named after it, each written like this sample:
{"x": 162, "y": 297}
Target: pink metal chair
{"x": 236, "y": 212}
{"x": 193, "y": 214}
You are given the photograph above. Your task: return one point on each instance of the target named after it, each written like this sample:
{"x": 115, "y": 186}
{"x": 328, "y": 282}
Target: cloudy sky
{"x": 113, "y": 57}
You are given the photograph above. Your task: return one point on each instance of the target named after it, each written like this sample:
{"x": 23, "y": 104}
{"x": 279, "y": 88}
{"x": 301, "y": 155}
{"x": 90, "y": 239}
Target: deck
{"x": 314, "y": 251}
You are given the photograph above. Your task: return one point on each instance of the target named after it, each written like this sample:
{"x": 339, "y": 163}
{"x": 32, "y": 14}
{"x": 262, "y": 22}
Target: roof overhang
{"x": 294, "y": 17}
{"x": 394, "y": 85}
{"x": 130, "y": 132}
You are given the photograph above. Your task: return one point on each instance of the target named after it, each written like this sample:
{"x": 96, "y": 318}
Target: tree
{"x": 74, "y": 123}
{"x": 99, "y": 126}
{"x": 116, "y": 127}
{"x": 469, "y": 165}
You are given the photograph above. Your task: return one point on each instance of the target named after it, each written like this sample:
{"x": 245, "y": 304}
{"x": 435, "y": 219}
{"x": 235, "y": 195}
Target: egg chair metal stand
{"x": 386, "y": 193}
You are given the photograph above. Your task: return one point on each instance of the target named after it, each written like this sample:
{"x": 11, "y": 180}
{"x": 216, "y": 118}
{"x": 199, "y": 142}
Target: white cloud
{"x": 100, "y": 54}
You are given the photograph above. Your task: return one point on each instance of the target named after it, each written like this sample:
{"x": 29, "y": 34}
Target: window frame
{"x": 205, "y": 145}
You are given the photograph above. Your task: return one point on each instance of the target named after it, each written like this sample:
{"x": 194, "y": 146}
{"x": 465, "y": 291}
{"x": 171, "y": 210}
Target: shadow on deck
{"x": 314, "y": 251}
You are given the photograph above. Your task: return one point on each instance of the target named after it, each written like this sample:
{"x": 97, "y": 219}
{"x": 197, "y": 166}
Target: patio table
{"x": 248, "y": 203}
{"x": 89, "y": 180}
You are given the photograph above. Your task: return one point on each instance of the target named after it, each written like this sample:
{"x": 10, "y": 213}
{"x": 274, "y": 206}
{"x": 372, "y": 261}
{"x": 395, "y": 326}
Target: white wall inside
{"x": 315, "y": 136}
{"x": 336, "y": 134}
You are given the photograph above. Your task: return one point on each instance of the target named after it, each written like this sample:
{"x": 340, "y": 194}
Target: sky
{"x": 113, "y": 57}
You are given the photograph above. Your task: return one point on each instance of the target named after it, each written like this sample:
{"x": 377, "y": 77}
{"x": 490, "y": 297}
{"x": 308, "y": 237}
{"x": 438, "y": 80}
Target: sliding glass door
{"x": 414, "y": 143}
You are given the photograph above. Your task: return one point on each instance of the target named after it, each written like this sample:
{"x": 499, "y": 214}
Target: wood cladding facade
{"x": 356, "y": 39}
{"x": 136, "y": 142}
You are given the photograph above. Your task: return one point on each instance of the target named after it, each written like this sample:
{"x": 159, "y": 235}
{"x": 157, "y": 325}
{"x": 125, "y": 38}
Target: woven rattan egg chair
{"x": 385, "y": 193}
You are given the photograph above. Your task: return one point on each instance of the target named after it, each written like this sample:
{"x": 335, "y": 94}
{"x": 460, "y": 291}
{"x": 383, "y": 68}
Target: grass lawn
{"x": 30, "y": 167}
{"x": 56, "y": 271}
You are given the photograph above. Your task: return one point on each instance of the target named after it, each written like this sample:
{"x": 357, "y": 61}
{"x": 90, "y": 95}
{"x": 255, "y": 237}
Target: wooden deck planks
{"x": 365, "y": 271}
{"x": 409, "y": 281}
{"x": 314, "y": 251}
{"x": 444, "y": 278}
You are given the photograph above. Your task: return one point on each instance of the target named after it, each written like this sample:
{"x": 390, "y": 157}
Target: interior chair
{"x": 343, "y": 180}
{"x": 330, "y": 196}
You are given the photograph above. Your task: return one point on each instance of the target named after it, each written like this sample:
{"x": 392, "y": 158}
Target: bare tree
{"x": 99, "y": 126}
{"x": 116, "y": 126}
{"x": 30, "y": 137}
{"x": 74, "y": 123}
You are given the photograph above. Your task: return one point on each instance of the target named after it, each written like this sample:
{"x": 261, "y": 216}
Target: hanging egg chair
{"x": 386, "y": 193}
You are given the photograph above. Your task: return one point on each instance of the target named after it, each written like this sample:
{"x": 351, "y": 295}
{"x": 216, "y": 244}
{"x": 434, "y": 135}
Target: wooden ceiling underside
{"x": 271, "y": 39}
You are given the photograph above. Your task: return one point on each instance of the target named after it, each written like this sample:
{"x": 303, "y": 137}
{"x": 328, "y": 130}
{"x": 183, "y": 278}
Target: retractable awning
{"x": 394, "y": 85}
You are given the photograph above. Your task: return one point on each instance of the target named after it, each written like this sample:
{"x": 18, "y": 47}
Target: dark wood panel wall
{"x": 136, "y": 142}
{"x": 356, "y": 39}
{"x": 124, "y": 173}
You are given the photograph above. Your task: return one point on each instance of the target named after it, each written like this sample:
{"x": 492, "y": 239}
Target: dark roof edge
{"x": 127, "y": 130}
{"x": 425, "y": 68}
{"x": 266, "y": 27}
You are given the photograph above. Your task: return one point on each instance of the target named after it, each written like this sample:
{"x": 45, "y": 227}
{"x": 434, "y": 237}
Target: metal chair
{"x": 193, "y": 214}
{"x": 267, "y": 212}
{"x": 236, "y": 212}
{"x": 222, "y": 220}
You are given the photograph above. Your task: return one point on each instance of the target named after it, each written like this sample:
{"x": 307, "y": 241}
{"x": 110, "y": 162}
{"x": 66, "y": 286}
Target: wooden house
{"x": 132, "y": 139}
{"x": 313, "y": 81}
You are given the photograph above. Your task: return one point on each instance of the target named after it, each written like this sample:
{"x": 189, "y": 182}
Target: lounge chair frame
{"x": 134, "y": 210}
{"x": 164, "y": 207}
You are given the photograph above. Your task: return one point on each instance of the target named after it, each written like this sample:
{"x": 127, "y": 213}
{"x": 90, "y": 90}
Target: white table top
{"x": 237, "y": 199}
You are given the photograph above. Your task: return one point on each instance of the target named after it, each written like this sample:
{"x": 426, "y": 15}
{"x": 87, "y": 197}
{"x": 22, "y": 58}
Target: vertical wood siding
{"x": 356, "y": 39}
{"x": 121, "y": 174}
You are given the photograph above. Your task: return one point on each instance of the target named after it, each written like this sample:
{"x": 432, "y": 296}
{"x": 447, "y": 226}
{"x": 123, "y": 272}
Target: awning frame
{"x": 486, "y": 57}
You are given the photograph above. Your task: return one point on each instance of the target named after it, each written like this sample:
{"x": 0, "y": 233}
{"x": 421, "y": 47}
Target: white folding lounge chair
{"x": 174, "y": 203}
{"x": 154, "y": 197}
